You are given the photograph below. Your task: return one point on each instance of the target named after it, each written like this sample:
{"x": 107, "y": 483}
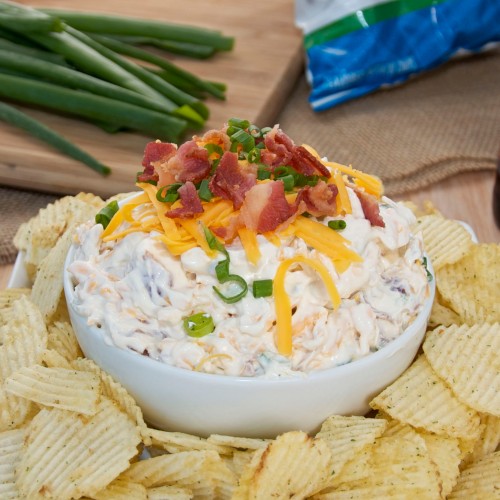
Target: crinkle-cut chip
{"x": 394, "y": 467}
{"x": 480, "y": 479}
{"x": 170, "y": 493}
{"x": 48, "y": 286}
{"x": 10, "y": 295}
{"x": 52, "y": 359}
{"x": 442, "y": 315}
{"x": 68, "y": 455}
{"x": 14, "y": 411}
{"x": 445, "y": 241}
{"x": 195, "y": 470}
{"x": 488, "y": 442}
{"x": 395, "y": 427}
{"x": 57, "y": 387}
{"x": 11, "y": 445}
{"x": 294, "y": 465}
{"x": 62, "y": 338}
{"x": 347, "y": 436}
{"x": 470, "y": 286}
{"x": 174, "y": 442}
{"x": 239, "y": 460}
{"x": 61, "y": 314}
{"x": 445, "y": 453}
{"x": 466, "y": 358}
{"x": 421, "y": 399}
{"x": 122, "y": 489}
{"x": 240, "y": 443}
{"x": 113, "y": 390}
{"x": 37, "y": 236}
{"x": 91, "y": 199}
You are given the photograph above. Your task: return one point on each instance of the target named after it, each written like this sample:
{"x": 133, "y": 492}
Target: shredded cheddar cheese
{"x": 343, "y": 202}
{"x": 282, "y": 301}
{"x": 250, "y": 245}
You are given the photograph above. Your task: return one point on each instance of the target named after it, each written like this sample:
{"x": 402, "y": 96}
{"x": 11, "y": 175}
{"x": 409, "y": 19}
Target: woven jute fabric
{"x": 437, "y": 125}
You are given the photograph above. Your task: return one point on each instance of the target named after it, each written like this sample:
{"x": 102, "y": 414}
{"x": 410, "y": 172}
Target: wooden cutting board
{"x": 260, "y": 73}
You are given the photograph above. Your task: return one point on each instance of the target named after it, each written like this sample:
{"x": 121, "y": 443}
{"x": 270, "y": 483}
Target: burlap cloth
{"x": 437, "y": 125}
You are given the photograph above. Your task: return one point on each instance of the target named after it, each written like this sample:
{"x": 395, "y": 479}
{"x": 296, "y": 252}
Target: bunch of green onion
{"x": 79, "y": 63}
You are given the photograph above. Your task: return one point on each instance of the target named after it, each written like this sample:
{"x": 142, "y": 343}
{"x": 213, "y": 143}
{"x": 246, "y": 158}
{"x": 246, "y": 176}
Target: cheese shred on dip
{"x": 336, "y": 271}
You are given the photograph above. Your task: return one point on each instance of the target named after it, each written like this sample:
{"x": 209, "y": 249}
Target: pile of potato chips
{"x": 68, "y": 430}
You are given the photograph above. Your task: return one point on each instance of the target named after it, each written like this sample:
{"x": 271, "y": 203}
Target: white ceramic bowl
{"x": 181, "y": 400}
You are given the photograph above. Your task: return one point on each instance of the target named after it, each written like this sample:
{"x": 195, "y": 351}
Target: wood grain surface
{"x": 260, "y": 73}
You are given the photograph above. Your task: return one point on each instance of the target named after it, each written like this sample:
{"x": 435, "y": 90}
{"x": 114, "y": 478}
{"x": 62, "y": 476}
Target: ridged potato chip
{"x": 294, "y": 465}
{"x": 52, "y": 359}
{"x": 67, "y": 455}
{"x": 56, "y": 387}
{"x": 195, "y": 470}
{"x": 488, "y": 442}
{"x": 62, "y": 338}
{"x": 466, "y": 358}
{"x": 175, "y": 442}
{"x": 122, "y": 489}
{"x": 10, "y": 295}
{"x": 442, "y": 315}
{"x": 480, "y": 479}
{"x": 395, "y": 467}
{"x": 241, "y": 443}
{"x": 48, "y": 286}
{"x": 445, "y": 241}
{"x": 420, "y": 398}
{"x": 11, "y": 444}
{"x": 470, "y": 286}
{"x": 113, "y": 390}
{"x": 347, "y": 436}
{"x": 170, "y": 493}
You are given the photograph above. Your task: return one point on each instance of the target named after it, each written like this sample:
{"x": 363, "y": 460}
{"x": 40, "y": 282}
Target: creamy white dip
{"x": 138, "y": 294}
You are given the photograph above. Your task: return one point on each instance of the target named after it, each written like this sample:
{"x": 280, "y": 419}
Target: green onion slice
{"x": 214, "y": 148}
{"x": 263, "y": 173}
{"x": 429, "y": 275}
{"x": 213, "y": 242}
{"x": 337, "y": 224}
{"x": 265, "y": 130}
{"x": 198, "y": 325}
{"x": 262, "y": 288}
{"x": 106, "y": 214}
{"x": 288, "y": 181}
{"x": 222, "y": 270}
{"x": 238, "y": 122}
{"x": 168, "y": 193}
{"x": 233, "y": 298}
{"x": 254, "y": 155}
{"x": 254, "y": 131}
{"x": 243, "y": 138}
{"x": 204, "y": 191}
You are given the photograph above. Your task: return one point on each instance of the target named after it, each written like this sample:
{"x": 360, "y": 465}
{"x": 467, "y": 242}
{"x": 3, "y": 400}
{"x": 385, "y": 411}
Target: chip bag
{"x": 354, "y": 47}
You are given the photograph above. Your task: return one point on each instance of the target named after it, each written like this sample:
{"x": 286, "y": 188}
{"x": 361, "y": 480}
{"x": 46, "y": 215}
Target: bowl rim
{"x": 387, "y": 351}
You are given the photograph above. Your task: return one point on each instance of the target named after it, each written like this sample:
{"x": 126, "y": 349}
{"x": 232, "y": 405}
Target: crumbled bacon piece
{"x": 307, "y": 164}
{"x": 190, "y": 163}
{"x": 266, "y": 207}
{"x": 231, "y": 181}
{"x": 318, "y": 200}
{"x": 279, "y": 148}
{"x": 191, "y": 204}
{"x": 155, "y": 154}
{"x": 370, "y": 207}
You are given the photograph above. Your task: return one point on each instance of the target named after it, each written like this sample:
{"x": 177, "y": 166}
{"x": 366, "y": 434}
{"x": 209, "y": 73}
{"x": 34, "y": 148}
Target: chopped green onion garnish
{"x": 199, "y": 325}
{"x": 233, "y": 298}
{"x": 263, "y": 173}
{"x": 288, "y": 181}
{"x": 106, "y": 214}
{"x": 214, "y": 148}
{"x": 232, "y": 130}
{"x": 204, "y": 191}
{"x": 222, "y": 270}
{"x": 254, "y": 155}
{"x": 213, "y": 242}
{"x": 168, "y": 193}
{"x": 262, "y": 288}
{"x": 337, "y": 224}
{"x": 254, "y": 131}
{"x": 429, "y": 275}
{"x": 265, "y": 130}
{"x": 243, "y": 138}
{"x": 238, "y": 122}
